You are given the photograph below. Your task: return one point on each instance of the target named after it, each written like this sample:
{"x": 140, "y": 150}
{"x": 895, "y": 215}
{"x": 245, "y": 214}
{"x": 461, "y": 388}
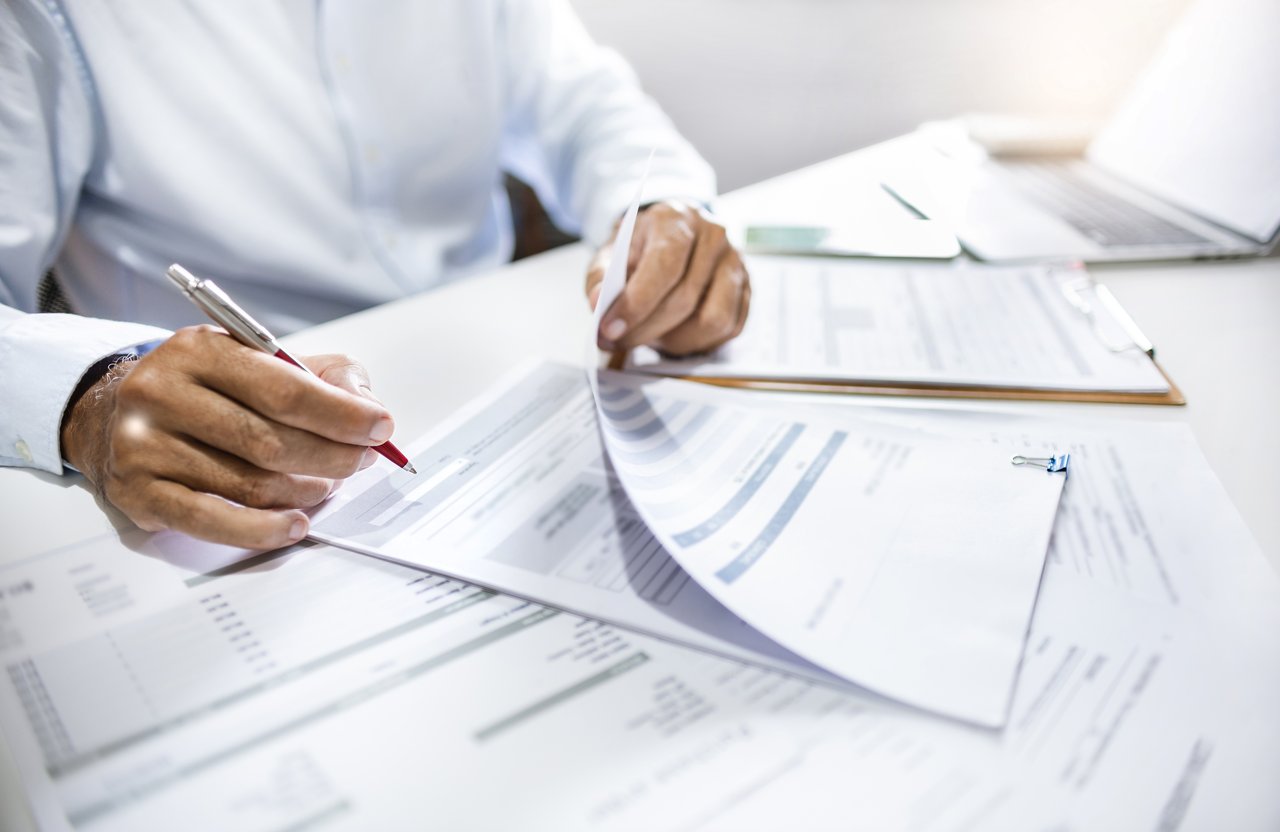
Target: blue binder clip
{"x": 1051, "y": 464}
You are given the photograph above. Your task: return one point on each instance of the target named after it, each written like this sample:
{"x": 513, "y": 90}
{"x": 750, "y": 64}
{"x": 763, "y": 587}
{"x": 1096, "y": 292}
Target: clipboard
{"x": 1077, "y": 292}
{"x": 942, "y": 391}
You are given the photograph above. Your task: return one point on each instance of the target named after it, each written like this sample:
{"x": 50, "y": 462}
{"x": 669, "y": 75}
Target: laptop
{"x": 1188, "y": 167}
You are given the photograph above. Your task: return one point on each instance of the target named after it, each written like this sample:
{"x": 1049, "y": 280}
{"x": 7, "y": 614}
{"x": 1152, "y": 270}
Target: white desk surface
{"x": 1213, "y": 324}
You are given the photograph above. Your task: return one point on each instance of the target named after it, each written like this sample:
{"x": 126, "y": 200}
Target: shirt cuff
{"x": 42, "y": 359}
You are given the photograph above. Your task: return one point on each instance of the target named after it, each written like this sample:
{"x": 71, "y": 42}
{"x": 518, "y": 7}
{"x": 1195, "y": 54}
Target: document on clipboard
{"x": 966, "y": 330}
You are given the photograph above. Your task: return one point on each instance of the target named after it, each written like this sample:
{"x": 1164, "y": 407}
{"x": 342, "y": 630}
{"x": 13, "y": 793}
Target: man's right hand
{"x": 206, "y": 436}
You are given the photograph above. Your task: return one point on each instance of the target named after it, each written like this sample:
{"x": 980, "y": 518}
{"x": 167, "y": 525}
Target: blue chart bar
{"x": 658, "y": 423}
{"x": 744, "y": 494}
{"x": 672, "y": 444}
{"x": 738, "y": 567}
{"x": 626, "y": 414}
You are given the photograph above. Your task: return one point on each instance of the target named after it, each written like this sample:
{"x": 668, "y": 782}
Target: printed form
{"x": 317, "y": 688}
{"x": 1030, "y": 327}
{"x": 905, "y": 563}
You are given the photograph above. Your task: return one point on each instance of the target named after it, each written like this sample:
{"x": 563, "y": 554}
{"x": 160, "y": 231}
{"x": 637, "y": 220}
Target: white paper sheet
{"x": 957, "y": 325}
{"x": 904, "y": 563}
{"x": 371, "y": 696}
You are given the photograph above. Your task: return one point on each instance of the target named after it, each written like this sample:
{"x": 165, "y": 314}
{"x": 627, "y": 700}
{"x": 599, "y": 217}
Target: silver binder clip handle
{"x": 1051, "y": 464}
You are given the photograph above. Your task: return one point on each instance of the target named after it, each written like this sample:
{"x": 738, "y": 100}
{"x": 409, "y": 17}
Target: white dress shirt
{"x": 315, "y": 157}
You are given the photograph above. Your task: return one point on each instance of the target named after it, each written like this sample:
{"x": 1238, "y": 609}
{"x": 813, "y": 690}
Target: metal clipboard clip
{"x": 1051, "y": 464}
{"x": 1078, "y": 292}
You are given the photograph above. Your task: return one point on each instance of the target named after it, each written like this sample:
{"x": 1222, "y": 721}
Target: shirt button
{"x": 23, "y": 451}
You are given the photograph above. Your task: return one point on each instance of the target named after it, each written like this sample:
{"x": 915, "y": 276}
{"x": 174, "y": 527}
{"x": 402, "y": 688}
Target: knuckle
{"x": 717, "y": 320}
{"x": 684, "y": 300}
{"x": 191, "y": 339}
{"x": 182, "y": 339}
{"x": 140, "y": 388}
{"x": 346, "y": 362}
{"x": 268, "y": 449}
{"x": 285, "y": 397}
{"x": 312, "y": 493}
{"x": 143, "y": 516}
{"x": 258, "y": 490}
{"x": 351, "y": 458}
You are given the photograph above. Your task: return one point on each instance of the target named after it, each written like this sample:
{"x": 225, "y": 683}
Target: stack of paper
{"x": 956, "y": 325}
{"x": 316, "y": 688}
{"x": 905, "y": 563}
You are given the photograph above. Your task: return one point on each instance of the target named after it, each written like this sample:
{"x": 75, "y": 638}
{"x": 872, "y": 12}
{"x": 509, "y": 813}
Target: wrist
{"x": 87, "y": 420}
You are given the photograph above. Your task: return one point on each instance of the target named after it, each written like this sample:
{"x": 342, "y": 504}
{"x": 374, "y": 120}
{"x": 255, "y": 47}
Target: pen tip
{"x": 408, "y": 466}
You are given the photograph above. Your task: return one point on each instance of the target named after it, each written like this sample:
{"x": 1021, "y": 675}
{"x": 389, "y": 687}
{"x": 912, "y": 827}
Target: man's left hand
{"x": 687, "y": 290}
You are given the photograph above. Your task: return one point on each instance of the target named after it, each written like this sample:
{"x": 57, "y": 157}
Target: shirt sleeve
{"x": 46, "y": 147}
{"x": 42, "y": 358}
{"x": 577, "y": 111}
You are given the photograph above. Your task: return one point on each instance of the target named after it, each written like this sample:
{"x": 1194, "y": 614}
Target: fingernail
{"x": 298, "y": 530}
{"x": 381, "y": 430}
{"x": 593, "y": 296}
{"x": 370, "y": 457}
{"x": 615, "y": 329}
{"x": 368, "y": 394}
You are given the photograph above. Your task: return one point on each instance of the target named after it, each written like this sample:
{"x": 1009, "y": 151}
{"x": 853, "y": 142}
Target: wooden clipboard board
{"x": 942, "y": 391}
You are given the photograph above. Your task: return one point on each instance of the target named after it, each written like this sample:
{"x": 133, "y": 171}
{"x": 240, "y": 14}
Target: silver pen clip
{"x": 223, "y": 310}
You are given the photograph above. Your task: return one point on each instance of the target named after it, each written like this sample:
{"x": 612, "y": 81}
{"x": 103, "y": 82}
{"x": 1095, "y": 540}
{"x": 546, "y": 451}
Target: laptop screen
{"x": 1201, "y": 129}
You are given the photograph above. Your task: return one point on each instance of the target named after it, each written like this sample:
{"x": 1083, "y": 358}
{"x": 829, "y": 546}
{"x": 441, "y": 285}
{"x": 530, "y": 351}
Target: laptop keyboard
{"x": 1098, "y": 214}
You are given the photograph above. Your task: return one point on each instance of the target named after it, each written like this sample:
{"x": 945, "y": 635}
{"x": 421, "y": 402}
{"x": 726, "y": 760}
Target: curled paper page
{"x": 905, "y": 564}
{"x": 615, "y": 274}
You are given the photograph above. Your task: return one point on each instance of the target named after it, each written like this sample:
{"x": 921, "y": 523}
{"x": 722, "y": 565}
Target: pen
{"x": 1122, "y": 317}
{"x": 239, "y": 325}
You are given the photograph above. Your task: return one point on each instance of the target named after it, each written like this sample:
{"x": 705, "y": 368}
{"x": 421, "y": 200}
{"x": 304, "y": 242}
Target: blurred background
{"x": 765, "y": 86}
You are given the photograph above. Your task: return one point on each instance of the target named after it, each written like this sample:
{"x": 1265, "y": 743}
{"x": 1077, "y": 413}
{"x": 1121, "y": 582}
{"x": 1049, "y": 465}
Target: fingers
{"x": 689, "y": 290}
{"x": 283, "y": 394}
{"x": 688, "y": 295}
{"x": 164, "y": 504}
{"x": 215, "y": 420}
{"x": 721, "y": 315}
{"x": 667, "y": 238}
{"x": 209, "y": 470}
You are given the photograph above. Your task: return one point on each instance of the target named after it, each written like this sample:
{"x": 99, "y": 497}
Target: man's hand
{"x": 212, "y": 438}
{"x": 687, "y": 290}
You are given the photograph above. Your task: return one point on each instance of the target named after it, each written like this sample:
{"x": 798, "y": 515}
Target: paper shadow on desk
{"x": 201, "y": 558}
